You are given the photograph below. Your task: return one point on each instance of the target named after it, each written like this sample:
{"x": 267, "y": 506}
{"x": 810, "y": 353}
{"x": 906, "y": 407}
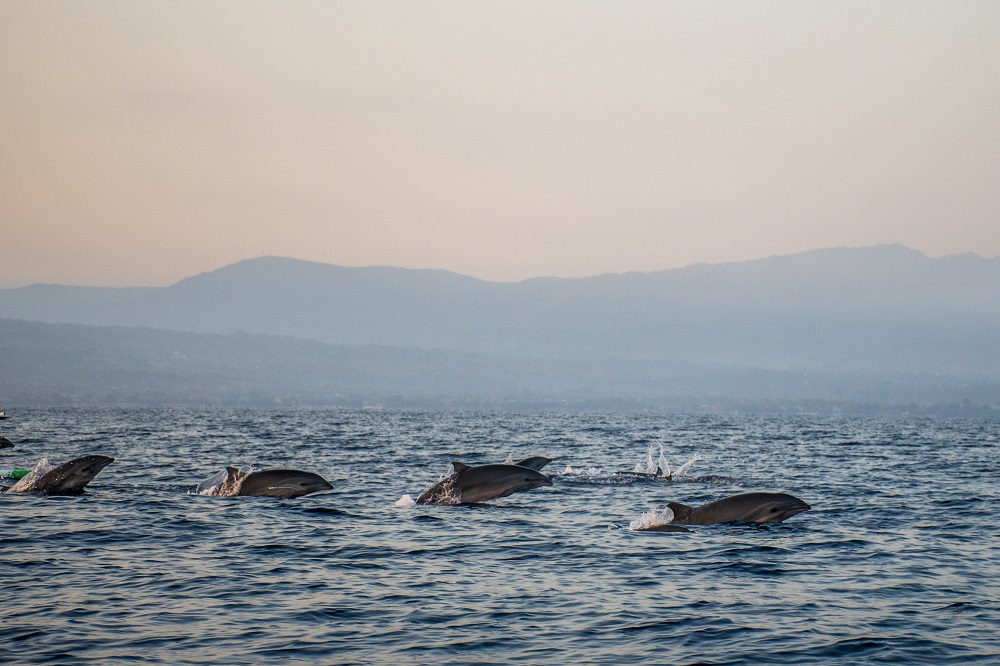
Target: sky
{"x": 145, "y": 141}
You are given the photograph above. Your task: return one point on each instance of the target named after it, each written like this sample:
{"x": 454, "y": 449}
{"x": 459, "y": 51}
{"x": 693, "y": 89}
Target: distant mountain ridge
{"x": 882, "y": 308}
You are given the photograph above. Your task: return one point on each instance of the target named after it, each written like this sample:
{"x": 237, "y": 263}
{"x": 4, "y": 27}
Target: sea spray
{"x": 652, "y": 519}
{"x": 27, "y": 482}
{"x": 662, "y": 464}
{"x": 686, "y": 466}
{"x": 581, "y": 471}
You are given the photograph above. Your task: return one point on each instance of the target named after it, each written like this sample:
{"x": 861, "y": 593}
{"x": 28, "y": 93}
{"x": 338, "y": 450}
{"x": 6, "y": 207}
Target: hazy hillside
{"x": 883, "y": 308}
{"x": 59, "y": 364}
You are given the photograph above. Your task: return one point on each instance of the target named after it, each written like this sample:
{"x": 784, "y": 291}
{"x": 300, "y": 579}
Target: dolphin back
{"x": 70, "y": 478}
{"x": 742, "y": 508}
{"x": 486, "y": 482}
{"x": 285, "y": 483}
{"x": 470, "y": 484}
{"x": 534, "y": 462}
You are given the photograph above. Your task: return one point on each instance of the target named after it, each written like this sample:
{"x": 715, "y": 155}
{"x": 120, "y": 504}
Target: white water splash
{"x": 652, "y": 519}
{"x": 211, "y": 486}
{"x": 405, "y": 501}
{"x": 509, "y": 460}
{"x": 28, "y": 482}
{"x": 581, "y": 471}
{"x": 650, "y": 465}
{"x": 686, "y": 466}
{"x": 662, "y": 465}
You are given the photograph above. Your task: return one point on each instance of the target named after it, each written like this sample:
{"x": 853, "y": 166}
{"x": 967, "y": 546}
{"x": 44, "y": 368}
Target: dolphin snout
{"x": 792, "y": 508}
{"x": 544, "y": 481}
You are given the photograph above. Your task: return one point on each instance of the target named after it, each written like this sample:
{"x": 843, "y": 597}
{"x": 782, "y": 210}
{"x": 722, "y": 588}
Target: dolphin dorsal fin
{"x": 459, "y": 467}
{"x": 680, "y": 510}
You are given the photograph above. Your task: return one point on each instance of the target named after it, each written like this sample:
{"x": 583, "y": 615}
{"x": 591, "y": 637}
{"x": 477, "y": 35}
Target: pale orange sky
{"x": 143, "y": 142}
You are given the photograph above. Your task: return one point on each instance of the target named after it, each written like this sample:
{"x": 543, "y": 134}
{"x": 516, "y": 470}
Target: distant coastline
{"x": 880, "y": 330}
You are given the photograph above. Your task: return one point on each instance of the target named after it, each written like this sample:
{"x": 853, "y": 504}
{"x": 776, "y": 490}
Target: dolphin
{"x": 658, "y": 474}
{"x": 6, "y": 443}
{"x": 534, "y": 462}
{"x": 70, "y": 478}
{"x": 285, "y": 483}
{"x": 468, "y": 484}
{"x": 743, "y": 508}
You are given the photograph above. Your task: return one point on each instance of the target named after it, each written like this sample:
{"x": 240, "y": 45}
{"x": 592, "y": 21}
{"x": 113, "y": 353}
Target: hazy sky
{"x": 142, "y": 142}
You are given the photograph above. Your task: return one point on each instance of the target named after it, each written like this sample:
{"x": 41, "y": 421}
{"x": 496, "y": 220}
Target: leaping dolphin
{"x": 468, "y": 485}
{"x": 743, "y": 508}
{"x": 70, "y": 478}
{"x": 534, "y": 462}
{"x": 284, "y": 483}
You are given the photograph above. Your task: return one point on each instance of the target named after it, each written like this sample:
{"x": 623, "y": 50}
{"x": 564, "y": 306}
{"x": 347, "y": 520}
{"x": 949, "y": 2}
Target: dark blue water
{"x": 897, "y": 562}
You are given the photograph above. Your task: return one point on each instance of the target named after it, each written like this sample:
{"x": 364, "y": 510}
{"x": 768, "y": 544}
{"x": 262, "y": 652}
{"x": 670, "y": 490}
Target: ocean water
{"x": 898, "y": 561}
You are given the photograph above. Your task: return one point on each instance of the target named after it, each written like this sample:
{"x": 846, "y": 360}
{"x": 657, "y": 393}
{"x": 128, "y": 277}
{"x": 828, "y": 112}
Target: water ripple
{"x": 895, "y": 563}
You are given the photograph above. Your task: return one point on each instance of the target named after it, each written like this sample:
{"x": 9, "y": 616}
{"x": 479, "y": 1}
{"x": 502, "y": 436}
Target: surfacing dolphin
{"x": 6, "y": 443}
{"x": 534, "y": 462}
{"x": 284, "y": 483}
{"x": 743, "y": 508}
{"x": 658, "y": 474}
{"x": 70, "y": 478}
{"x": 468, "y": 484}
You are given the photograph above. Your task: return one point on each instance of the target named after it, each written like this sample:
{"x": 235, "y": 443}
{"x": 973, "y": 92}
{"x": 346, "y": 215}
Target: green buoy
{"x": 14, "y": 473}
